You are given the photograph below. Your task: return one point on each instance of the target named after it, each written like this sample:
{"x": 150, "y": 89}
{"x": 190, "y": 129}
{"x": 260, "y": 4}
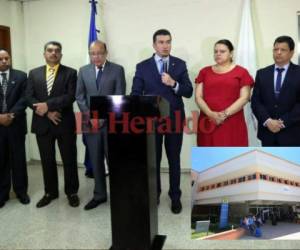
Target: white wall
{"x": 127, "y": 27}
{"x": 66, "y": 21}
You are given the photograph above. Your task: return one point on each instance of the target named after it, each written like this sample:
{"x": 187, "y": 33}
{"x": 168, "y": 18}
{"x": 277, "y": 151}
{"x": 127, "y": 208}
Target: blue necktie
{"x": 163, "y": 66}
{"x": 278, "y": 81}
{"x": 99, "y": 75}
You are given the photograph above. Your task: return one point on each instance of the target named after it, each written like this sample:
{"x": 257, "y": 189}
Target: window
{"x": 242, "y": 179}
{"x": 219, "y": 185}
{"x": 262, "y": 176}
{"x": 233, "y": 181}
{"x": 225, "y": 183}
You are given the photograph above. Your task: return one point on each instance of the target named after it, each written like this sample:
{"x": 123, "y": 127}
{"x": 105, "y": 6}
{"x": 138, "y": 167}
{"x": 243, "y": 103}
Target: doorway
{"x": 5, "y": 38}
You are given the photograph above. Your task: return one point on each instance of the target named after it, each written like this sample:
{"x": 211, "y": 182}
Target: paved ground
{"x": 282, "y": 231}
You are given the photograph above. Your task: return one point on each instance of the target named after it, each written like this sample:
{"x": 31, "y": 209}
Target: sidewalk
{"x": 282, "y": 231}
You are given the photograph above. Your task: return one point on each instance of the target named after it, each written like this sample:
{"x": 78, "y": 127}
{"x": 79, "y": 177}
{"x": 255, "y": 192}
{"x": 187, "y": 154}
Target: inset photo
{"x": 245, "y": 193}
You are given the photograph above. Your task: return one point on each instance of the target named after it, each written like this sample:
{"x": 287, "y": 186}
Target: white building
{"x": 252, "y": 180}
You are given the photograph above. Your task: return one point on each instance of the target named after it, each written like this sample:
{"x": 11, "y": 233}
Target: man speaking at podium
{"x": 166, "y": 76}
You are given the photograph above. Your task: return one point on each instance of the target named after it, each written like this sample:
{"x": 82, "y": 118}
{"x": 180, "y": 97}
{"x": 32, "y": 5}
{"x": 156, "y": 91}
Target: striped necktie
{"x": 50, "y": 80}
{"x": 4, "y": 89}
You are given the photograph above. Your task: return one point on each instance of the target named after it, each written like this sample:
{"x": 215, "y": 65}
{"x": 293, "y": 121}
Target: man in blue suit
{"x": 276, "y": 97}
{"x": 166, "y": 76}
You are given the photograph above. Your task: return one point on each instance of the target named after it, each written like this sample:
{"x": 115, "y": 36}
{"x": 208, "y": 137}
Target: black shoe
{"x": 89, "y": 174}
{"x": 73, "y": 200}
{"x": 24, "y": 199}
{"x": 176, "y": 207}
{"x": 2, "y": 202}
{"x": 47, "y": 198}
{"x": 94, "y": 203}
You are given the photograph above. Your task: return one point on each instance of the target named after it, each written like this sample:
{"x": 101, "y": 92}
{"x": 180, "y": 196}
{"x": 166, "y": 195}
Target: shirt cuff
{"x": 176, "y": 87}
{"x": 283, "y": 126}
{"x": 265, "y": 123}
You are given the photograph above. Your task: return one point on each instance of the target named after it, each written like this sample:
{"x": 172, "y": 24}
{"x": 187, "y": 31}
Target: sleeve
{"x": 246, "y": 79}
{"x": 30, "y": 91}
{"x": 80, "y": 94}
{"x": 20, "y": 106}
{"x": 201, "y": 76}
{"x": 138, "y": 82}
{"x": 258, "y": 107}
{"x": 185, "y": 87}
{"x": 121, "y": 83}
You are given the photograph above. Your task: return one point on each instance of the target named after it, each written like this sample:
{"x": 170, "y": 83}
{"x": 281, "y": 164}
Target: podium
{"x": 131, "y": 161}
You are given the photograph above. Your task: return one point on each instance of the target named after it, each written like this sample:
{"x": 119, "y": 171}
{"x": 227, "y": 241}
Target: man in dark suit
{"x": 13, "y": 130}
{"x": 100, "y": 77}
{"x": 50, "y": 93}
{"x": 276, "y": 97}
{"x": 166, "y": 76}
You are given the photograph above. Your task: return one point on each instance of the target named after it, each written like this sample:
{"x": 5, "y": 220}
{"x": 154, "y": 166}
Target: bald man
{"x": 12, "y": 131}
{"x": 100, "y": 77}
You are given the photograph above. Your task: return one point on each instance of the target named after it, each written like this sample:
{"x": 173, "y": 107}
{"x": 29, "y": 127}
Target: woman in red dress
{"x": 222, "y": 90}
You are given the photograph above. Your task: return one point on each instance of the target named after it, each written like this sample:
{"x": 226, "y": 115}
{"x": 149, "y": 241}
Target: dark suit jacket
{"x": 147, "y": 81}
{"x": 112, "y": 83}
{"x": 286, "y": 107}
{"x": 61, "y": 99}
{"x": 16, "y": 102}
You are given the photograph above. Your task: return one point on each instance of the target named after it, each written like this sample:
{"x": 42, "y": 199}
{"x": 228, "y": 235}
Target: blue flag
{"x": 93, "y": 30}
{"x": 92, "y": 37}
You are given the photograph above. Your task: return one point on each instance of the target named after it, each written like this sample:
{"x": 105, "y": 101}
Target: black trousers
{"x": 173, "y": 143}
{"x": 13, "y": 169}
{"x": 68, "y": 151}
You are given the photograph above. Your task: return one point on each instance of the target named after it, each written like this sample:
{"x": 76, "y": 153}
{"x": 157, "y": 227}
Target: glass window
{"x": 263, "y": 176}
{"x": 242, "y": 179}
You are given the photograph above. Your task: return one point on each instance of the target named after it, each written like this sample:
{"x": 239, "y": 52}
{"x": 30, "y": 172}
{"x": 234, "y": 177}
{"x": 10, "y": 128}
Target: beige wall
{"x": 127, "y": 27}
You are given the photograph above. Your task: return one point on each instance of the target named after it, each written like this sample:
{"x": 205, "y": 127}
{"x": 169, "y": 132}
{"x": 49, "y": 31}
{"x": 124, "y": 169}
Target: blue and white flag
{"x": 92, "y": 37}
{"x": 93, "y": 30}
{"x": 246, "y": 57}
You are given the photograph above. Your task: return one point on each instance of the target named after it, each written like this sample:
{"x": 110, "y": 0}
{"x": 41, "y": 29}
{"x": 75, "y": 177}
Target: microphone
{"x": 165, "y": 65}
